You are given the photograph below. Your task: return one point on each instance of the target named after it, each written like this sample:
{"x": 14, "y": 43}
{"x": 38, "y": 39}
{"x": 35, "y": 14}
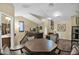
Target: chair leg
{"x": 59, "y": 52}
{"x": 21, "y": 51}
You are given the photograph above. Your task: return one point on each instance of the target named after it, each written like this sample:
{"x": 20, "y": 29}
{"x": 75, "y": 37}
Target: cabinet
{"x": 75, "y": 35}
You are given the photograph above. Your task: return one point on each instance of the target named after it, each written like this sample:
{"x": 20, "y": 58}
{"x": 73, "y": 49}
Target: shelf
{"x": 6, "y": 36}
{"x": 75, "y": 33}
{"x": 75, "y": 40}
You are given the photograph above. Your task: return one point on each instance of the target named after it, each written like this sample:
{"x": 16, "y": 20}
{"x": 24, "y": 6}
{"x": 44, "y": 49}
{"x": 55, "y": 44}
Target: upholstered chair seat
{"x": 30, "y": 38}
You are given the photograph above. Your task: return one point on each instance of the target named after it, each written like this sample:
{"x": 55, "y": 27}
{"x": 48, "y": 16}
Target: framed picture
{"x": 61, "y": 27}
{"x": 21, "y": 26}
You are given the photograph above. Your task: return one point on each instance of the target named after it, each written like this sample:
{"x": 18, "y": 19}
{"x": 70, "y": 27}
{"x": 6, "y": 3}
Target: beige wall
{"x": 69, "y": 29}
{"x": 69, "y": 23}
{"x": 62, "y": 34}
{"x": 27, "y": 25}
{"x": 74, "y": 19}
{"x": 7, "y": 8}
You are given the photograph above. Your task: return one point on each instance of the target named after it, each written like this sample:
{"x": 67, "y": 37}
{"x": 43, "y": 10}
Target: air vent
{"x": 51, "y": 4}
{"x": 25, "y": 6}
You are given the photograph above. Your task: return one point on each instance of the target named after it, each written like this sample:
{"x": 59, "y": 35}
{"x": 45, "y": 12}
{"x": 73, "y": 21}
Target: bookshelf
{"x": 75, "y": 35}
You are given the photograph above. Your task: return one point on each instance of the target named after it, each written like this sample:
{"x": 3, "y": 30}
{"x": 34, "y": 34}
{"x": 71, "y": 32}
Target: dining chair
{"x": 6, "y": 51}
{"x": 54, "y": 37}
{"x": 25, "y": 52}
{"x": 75, "y": 50}
{"x": 30, "y": 38}
{"x": 19, "y": 52}
{"x": 63, "y": 47}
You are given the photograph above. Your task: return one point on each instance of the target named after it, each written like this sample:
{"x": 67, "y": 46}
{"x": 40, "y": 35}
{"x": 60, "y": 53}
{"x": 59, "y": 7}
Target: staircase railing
{"x": 24, "y": 38}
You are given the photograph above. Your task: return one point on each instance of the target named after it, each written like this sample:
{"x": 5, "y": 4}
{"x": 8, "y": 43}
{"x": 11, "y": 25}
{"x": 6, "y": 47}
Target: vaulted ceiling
{"x": 38, "y": 11}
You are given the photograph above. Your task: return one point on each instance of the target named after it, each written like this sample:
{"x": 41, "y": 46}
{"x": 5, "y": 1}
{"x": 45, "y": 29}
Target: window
{"x": 21, "y": 26}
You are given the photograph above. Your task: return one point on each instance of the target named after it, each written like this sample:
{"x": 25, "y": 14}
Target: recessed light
{"x": 57, "y": 14}
{"x": 7, "y": 18}
{"x": 49, "y": 18}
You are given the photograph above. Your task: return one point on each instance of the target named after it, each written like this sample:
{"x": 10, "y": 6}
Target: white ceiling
{"x": 45, "y": 10}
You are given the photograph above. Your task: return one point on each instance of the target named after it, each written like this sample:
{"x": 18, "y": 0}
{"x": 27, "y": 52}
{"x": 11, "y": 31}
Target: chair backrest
{"x": 30, "y": 38}
{"x": 64, "y": 44}
{"x": 75, "y": 50}
{"x": 24, "y": 51}
{"x": 54, "y": 37}
{"x": 17, "y": 50}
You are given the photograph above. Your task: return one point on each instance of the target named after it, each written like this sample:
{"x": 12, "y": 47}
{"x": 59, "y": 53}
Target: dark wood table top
{"x": 40, "y": 45}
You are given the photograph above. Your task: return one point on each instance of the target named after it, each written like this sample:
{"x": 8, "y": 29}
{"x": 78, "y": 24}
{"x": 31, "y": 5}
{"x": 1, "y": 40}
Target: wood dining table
{"x": 40, "y": 46}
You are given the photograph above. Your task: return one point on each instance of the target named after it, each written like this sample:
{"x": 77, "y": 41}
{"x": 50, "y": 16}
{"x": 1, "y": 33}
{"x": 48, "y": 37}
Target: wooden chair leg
{"x": 59, "y": 51}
